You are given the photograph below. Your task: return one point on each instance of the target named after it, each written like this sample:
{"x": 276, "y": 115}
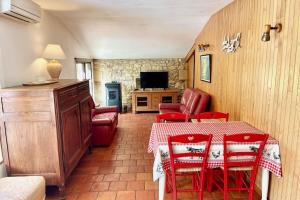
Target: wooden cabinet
{"x": 143, "y": 101}
{"x": 71, "y": 135}
{"x": 85, "y": 110}
{"x": 45, "y": 130}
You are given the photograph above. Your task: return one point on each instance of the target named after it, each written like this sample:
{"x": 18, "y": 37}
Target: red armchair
{"x": 104, "y": 124}
{"x": 193, "y": 102}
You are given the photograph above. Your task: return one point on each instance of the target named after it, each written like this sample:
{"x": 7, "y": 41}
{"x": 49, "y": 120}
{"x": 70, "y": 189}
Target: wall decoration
{"x": 203, "y": 47}
{"x": 205, "y": 68}
{"x": 231, "y": 45}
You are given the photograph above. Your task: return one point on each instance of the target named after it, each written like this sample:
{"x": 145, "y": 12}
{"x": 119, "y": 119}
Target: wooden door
{"x": 191, "y": 71}
{"x": 85, "y": 109}
{"x": 71, "y": 134}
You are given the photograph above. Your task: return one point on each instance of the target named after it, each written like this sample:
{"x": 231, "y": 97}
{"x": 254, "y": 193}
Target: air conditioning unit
{"x": 21, "y": 10}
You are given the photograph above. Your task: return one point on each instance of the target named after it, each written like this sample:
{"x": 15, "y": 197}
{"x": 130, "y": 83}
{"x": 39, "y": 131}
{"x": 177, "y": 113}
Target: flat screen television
{"x": 154, "y": 80}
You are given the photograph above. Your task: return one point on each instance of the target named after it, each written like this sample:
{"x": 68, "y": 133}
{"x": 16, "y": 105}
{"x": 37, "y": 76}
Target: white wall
{"x": 21, "y": 44}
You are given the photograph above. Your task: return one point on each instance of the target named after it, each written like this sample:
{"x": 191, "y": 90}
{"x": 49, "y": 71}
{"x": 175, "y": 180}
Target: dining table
{"x": 158, "y": 145}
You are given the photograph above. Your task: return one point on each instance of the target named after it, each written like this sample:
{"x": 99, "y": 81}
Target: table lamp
{"x": 54, "y": 52}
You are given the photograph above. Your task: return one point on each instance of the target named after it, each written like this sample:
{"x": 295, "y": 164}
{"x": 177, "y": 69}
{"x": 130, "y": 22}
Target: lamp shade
{"x": 54, "y": 51}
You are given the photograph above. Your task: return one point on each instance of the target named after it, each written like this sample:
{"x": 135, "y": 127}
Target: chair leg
{"x": 251, "y": 191}
{"x": 201, "y": 186}
{"x": 251, "y": 194}
{"x": 167, "y": 184}
{"x": 200, "y": 195}
{"x": 209, "y": 179}
{"x": 174, "y": 197}
{"x": 225, "y": 185}
{"x": 174, "y": 188}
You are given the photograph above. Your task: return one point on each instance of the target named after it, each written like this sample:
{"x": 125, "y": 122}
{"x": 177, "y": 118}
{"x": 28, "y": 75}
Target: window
{"x": 84, "y": 70}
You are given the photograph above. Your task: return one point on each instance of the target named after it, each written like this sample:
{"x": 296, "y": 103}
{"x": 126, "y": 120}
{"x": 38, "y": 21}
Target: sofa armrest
{"x": 175, "y": 106}
{"x": 99, "y": 110}
{"x": 102, "y": 122}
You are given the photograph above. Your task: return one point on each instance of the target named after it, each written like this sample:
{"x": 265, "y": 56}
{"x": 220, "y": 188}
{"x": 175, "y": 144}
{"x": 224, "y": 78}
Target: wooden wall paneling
{"x": 283, "y": 98}
{"x": 290, "y": 72}
{"x": 296, "y": 127}
{"x": 297, "y": 130}
{"x": 260, "y": 82}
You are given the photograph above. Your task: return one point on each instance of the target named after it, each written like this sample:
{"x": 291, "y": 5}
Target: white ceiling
{"x": 115, "y": 29}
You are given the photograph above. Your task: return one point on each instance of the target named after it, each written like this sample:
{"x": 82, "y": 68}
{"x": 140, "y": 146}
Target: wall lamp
{"x": 203, "y": 47}
{"x": 266, "y": 35}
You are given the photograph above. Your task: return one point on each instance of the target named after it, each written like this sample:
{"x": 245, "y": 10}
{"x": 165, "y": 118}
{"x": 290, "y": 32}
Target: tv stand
{"x": 148, "y": 100}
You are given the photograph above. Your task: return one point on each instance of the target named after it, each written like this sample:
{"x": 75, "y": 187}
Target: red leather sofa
{"x": 193, "y": 102}
{"x": 104, "y": 124}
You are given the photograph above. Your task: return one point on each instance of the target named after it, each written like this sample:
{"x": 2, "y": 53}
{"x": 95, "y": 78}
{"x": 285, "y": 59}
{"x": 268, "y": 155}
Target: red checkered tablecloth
{"x": 160, "y": 132}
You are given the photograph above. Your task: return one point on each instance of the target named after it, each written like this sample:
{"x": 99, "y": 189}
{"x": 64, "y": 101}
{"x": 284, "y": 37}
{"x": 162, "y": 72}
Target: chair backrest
{"x": 247, "y": 158}
{"x": 212, "y": 115}
{"x": 172, "y": 117}
{"x": 199, "y": 155}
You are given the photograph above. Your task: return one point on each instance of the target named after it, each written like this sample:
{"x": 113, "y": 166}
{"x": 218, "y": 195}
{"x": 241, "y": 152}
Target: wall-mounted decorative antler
{"x": 231, "y": 45}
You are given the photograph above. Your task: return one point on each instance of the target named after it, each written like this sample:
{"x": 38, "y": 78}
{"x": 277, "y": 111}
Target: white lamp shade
{"x": 54, "y": 51}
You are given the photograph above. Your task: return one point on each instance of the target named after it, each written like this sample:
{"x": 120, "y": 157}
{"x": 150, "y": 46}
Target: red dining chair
{"x": 191, "y": 162}
{"x": 172, "y": 117}
{"x": 248, "y": 162}
{"x": 212, "y": 115}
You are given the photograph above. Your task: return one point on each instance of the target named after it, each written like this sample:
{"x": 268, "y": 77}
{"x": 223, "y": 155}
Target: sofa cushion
{"x": 186, "y": 96}
{"x": 202, "y": 103}
{"x": 104, "y": 118}
{"x": 22, "y": 188}
{"x": 193, "y": 102}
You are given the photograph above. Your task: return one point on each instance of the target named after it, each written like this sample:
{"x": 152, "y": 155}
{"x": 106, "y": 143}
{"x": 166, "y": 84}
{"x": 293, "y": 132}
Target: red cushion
{"x": 202, "y": 103}
{"x": 192, "y": 102}
{"x": 104, "y": 118}
{"x": 186, "y": 96}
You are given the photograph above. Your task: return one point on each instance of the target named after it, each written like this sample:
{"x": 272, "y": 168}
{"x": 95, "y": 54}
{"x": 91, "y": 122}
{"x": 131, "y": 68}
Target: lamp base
{"x": 54, "y": 69}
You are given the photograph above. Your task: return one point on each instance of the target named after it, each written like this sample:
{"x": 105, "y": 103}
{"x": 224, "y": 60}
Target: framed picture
{"x": 205, "y": 68}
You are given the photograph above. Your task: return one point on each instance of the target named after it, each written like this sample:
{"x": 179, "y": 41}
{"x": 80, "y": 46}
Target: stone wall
{"x": 126, "y": 72}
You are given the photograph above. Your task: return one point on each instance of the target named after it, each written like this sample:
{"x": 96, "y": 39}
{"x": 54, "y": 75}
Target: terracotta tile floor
{"x": 123, "y": 170}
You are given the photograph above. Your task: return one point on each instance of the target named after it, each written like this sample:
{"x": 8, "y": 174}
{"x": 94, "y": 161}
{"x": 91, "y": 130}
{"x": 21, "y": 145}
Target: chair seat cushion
{"x": 104, "y": 118}
{"x": 22, "y": 188}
